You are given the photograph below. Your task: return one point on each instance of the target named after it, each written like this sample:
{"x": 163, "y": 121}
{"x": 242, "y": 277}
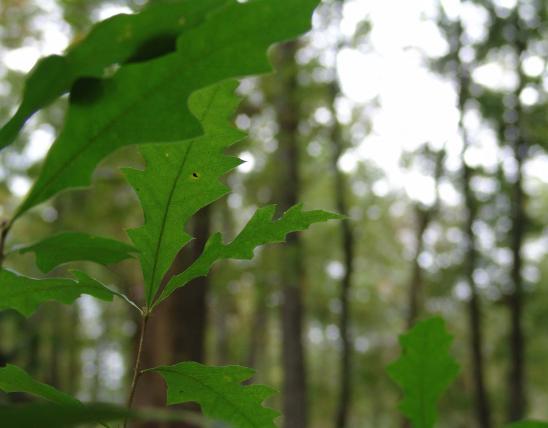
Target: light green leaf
{"x": 220, "y": 393}
{"x": 424, "y": 370}
{"x": 15, "y": 379}
{"x": 528, "y": 424}
{"x": 25, "y": 294}
{"x": 179, "y": 179}
{"x": 146, "y": 102}
{"x": 73, "y": 246}
{"x": 260, "y": 230}
{"x": 116, "y": 40}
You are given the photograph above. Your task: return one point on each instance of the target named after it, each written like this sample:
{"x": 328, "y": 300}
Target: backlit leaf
{"x": 72, "y": 246}
{"x": 147, "y": 102}
{"x": 179, "y": 179}
{"x": 15, "y": 379}
{"x": 116, "y": 40}
{"x": 25, "y": 294}
{"x": 220, "y": 393}
{"x": 424, "y": 370}
{"x": 260, "y": 230}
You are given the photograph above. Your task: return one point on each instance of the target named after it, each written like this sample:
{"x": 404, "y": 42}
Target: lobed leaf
{"x": 260, "y": 230}
{"x": 119, "y": 39}
{"x": 146, "y": 102}
{"x": 220, "y": 393}
{"x": 25, "y": 294}
{"x": 15, "y": 379}
{"x": 181, "y": 178}
{"x": 68, "y": 247}
{"x": 424, "y": 370}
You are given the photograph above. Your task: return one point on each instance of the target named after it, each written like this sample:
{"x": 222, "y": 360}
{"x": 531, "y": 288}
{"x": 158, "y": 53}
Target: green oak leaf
{"x": 15, "y": 379}
{"x": 74, "y": 246}
{"x": 181, "y": 178}
{"x": 119, "y": 39}
{"x": 424, "y": 370}
{"x": 147, "y": 102}
{"x": 528, "y": 424}
{"x": 260, "y": 230}
{"x": 25, "y": 294}
{"x": 220, "y": 393}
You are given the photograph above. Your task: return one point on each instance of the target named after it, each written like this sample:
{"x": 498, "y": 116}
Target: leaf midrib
{"x": 168, "y": 204}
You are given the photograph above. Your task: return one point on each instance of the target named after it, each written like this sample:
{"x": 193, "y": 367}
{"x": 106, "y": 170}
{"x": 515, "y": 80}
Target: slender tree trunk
{"x": 482, "y": 404}
{"x": 517, "y": 340}
{"x": 347, "y": 240}
{"x": 517, "y": 388}
{"x": 292, "y": 272}
{"x": 74, "y": 366}
{"x": 176, "y": 330}
{"x": 483, "y": 412}
{"x": 223, "y": 297}
{"x": 258, "y": 338}
{"x": 415, "y": 287}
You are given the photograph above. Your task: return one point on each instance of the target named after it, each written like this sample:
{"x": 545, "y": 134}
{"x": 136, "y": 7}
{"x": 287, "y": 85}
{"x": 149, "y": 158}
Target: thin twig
{"x": 137, "y": 367}
{"x": 4, "y": 230}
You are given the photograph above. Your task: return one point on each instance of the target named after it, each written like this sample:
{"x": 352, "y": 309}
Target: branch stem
{"x": 137, "y": 367}
{"x": 4, "y": 230}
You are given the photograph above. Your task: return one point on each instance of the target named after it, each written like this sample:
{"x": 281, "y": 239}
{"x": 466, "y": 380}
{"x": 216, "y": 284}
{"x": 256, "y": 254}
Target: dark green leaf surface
{"x": 260, "y": 230}
{"x": 25, "y": 294}
{"x": 220, "y": 393}
{"x": 72, "y": 246}
{"x": 147, "y": 102}
{"x": 424, "y": 370}
{"x": 15, "y": 379}
{"x": 116, "y": 40}
{"x": 179, "y": 179}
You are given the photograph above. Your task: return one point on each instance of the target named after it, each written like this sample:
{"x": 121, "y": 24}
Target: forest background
{"x": 425, "y": 122}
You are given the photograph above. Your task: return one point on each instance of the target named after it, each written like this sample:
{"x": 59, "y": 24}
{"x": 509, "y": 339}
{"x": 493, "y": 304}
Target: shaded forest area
{"x": 424, "y": 122}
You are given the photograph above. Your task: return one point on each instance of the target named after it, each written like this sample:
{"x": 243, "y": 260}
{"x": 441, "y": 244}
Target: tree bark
{"x": 292, "y": 273}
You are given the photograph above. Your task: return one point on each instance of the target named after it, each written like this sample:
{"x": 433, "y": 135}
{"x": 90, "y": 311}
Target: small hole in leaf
{"x": 195, "y": 174}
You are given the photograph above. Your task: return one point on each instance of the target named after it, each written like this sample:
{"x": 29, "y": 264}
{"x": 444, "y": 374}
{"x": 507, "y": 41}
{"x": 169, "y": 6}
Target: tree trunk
{"x": 517, "y": 389}
{"x": 347, "y": 241}
{"x": 176, "y": 331}
{"x": 416, "y": 281}
{"x": 482, "y": 404}
{"x": 292, "y": 274}
{"x": 517, "y": 340}
{"x": 257, "y": 342}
